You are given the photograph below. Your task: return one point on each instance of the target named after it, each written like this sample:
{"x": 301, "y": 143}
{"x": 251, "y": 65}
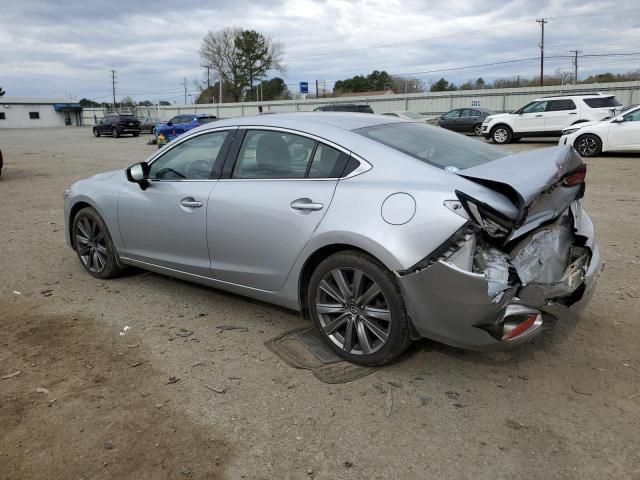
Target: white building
{"x": 23, "y": 112}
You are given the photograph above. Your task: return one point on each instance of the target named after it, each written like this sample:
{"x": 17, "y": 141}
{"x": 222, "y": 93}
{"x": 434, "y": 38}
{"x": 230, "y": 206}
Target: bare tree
{"x": 407, "y": 84}
{"x": 219, "y": 51}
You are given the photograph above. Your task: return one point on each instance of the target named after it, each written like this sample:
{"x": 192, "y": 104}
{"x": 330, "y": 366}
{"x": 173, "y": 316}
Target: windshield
{"x": 436, "y": 146}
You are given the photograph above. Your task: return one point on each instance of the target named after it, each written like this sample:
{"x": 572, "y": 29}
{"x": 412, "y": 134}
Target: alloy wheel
{"x": 353, "y": 311}
{"x": 477, "y": 130}
{"x": 91, "y": 244}
{"x": 501, "y": 135}
{"x": 587, "y": 146}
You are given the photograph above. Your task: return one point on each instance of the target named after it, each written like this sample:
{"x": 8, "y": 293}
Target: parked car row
{"x": 591, "y": 122}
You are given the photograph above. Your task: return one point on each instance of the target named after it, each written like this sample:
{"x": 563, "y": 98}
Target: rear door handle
{"x": 190, "y": 202}
{"x": 306, "y": 204}
{"x": 538, "y": 115}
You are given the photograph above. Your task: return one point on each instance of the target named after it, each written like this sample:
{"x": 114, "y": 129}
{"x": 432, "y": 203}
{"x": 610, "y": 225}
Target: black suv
{"x": 116, "y": 124}
{"x": 344, "y": 107}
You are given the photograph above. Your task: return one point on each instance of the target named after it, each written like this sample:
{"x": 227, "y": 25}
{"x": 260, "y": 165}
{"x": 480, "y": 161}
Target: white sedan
{"x": 618, "y": 134}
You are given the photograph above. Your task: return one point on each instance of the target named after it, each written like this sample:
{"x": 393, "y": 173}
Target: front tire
{"x": 356, "y": 304}
{"x": 96, "y": 133}
{"x": 501, "y": 134}
{"x": 115, "y": 133}
{"x": 588, "y": 145}
{"x": 93, "y": 244}
{"x": 135, "y": 134}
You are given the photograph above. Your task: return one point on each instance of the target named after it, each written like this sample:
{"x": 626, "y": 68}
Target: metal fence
{"x": 431, "y": 103}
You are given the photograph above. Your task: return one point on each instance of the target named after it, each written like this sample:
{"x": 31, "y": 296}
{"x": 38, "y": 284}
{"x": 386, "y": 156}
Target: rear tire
{"x": 136, "y": 134}
{"x": 356, "y": 304}
{"x": 93, "y": 245}
{"x": 501, "y": 134}
{"x": 115, "y": 133}
{"x": 477, "y": 130}
{"x": 588, "y": 145}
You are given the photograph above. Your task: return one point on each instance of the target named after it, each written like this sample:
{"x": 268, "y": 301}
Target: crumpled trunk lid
{"x": 531, "y": 181}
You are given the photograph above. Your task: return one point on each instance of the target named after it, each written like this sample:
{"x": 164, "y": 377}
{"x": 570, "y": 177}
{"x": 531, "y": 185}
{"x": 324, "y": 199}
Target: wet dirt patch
{"x": 87, "y": 404}
{"x": 304, "y": 348}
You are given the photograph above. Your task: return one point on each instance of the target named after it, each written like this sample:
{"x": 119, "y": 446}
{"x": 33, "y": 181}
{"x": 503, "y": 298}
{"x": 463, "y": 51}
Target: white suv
{"x": 548, "y": 116}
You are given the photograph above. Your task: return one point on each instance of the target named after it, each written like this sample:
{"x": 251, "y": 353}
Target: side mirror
{"x": 169, "y": 124}
{"x": 139, "y": 173}
{"x": 618, "y": 120}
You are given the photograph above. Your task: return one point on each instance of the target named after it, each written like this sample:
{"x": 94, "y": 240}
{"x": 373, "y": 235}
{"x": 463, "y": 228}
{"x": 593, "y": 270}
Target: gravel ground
{"x": 566, "y": 406}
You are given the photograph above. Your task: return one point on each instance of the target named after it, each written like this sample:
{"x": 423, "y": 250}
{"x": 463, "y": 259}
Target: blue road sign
{"x": 304, "y": 87}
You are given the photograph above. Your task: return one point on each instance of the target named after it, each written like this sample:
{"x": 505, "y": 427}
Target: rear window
{"x": 606, "y": 102}
{"x": 128, "y": 118}
{"x": 435, "y": 146}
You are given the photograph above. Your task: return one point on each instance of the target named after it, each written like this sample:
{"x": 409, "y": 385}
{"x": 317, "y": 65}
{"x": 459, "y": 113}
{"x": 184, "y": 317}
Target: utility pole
{"x": 113, "y": 86}
{"x": 208, "y": 76}
{"x": 575, "y": 64}
{"x": 220, "y": 87}
{"x": 184, "y": 84}
{"x": 542, "y": 22}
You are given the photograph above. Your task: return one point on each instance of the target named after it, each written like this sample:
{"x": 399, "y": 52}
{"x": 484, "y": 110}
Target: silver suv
{"x": 548, "y": 116}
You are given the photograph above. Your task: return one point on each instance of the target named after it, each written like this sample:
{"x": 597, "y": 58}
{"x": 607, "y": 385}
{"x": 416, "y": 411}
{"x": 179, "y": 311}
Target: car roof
{"x": 311, "y": 120}
{"x": 577, "y": 95}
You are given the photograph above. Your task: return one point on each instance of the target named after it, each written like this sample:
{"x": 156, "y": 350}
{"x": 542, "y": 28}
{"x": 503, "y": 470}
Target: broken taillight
{"x": 512, "y": 330}
{"x": 575, "y": 178}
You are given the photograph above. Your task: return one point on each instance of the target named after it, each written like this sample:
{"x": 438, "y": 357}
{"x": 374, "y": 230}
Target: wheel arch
{"x": 588, "y": 133}
{"x": 501, "y": 124}
{"x": 314, "y": 260}
{"x": 72, "y": 215}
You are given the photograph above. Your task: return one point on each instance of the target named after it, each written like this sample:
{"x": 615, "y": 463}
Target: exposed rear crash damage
{"x": 503, "y": 277}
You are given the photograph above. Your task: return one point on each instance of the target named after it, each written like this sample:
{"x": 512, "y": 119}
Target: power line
{"x": 397, "y": 44}
{"x": 468, "y": 32}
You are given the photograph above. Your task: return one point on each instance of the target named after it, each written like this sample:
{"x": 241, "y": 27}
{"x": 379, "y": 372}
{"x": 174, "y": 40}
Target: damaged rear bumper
{"x": 450, "y": 303}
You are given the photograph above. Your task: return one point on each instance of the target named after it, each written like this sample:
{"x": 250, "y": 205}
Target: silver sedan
{"x": 379, "y": 230}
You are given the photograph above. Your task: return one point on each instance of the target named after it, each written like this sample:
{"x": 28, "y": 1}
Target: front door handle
{"x": 573, "y": 113}
{"x": 538, "y": 115}
{"x": 306, "y": 204}
{"x": 190, "y": 202}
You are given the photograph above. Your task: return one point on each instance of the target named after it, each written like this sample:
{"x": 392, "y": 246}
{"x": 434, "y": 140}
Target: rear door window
{"x": 560, "y": 105}
{"x": 266, "y": 154}
{"x": 327, "y": 162}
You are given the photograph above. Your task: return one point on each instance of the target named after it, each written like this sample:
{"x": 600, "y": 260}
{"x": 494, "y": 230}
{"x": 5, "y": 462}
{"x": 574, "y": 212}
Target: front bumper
{"x": 452, "y": 305}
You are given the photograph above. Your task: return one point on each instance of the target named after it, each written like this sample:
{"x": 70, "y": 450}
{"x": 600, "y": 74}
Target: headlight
{"x": 569, "y": 131}
{"x": 66, "y": 193}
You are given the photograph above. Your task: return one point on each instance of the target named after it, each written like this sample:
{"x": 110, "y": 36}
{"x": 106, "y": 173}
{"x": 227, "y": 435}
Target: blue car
{"x": 182, "y": 123}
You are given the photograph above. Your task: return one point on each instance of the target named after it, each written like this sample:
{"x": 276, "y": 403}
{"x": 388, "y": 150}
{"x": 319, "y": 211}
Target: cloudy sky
{"x": 67, "y": 48}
